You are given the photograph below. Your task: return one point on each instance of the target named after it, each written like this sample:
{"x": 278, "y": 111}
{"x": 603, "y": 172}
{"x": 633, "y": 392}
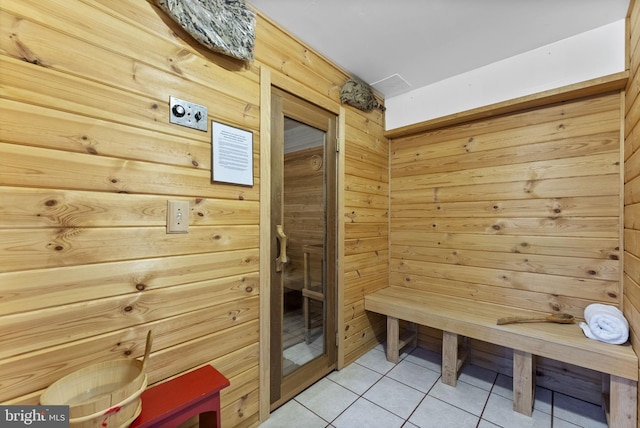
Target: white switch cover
{"x": 178, "y": 216}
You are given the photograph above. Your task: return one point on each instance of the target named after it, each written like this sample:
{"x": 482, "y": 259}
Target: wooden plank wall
{"x": 88, "y": 161}
{"x": 632, "y": 181}
{"x": 521, "y": 210}
{"x": 366, "y": 247}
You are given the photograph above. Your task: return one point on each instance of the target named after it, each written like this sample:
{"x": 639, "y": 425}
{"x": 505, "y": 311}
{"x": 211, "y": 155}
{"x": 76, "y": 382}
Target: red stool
{"x": 171, "y": 403}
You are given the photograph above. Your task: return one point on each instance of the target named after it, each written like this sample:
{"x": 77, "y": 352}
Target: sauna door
{"x": 303, "y": 226}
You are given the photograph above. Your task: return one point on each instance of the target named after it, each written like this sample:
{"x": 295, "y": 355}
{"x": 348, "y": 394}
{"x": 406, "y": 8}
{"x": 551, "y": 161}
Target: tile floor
{"x": 373, "y": 392}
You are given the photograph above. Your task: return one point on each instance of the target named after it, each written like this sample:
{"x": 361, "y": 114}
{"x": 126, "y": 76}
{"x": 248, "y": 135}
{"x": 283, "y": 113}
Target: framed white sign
{"x": 232, "y": 154}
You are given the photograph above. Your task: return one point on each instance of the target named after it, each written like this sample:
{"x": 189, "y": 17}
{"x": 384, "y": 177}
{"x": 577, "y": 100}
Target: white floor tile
{"x": 365, "y": 414}
{"x": 413, "y": 375}
{"x": 578, "y": 412}
{"x": 356, "y": 378}
{"x": 543, "y": 399}
{"x": 293, "y": 413}
{"x": 433, "y": 413}
{"x": 395, "y": 397}
{"x": 486, "y": 424}
{"x": 503, "y": 386}
{"x": 406, "y": 351}
{"x": 464, "y": 395}
{"x": 559, "y": 423}
{"x": 428, "y": 359}
{"x": 477, "y": 376}
{"x": 499, "y": 410}
{"x": 375, "y": 393}
{"x": 376, "y": 360}
{"x": 327, "y": 399}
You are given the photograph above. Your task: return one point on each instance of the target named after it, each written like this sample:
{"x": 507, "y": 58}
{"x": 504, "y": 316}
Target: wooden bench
{"x": 171, "y": 403}
{"x": 459, "y": 318}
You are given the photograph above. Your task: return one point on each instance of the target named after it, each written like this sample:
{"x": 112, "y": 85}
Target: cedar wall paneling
{"x": 366, "y": 261}
{"x": 632, "y": 181}
{"x": 521, "y": 210}
{"x": 88, "y": 161}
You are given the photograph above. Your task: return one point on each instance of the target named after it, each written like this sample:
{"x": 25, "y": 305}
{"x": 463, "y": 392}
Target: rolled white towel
{"x": 605, "y": 323}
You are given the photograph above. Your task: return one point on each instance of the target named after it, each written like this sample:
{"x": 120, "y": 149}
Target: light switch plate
{"x": 188, "y": 114}
{"x": 178, "y": 216}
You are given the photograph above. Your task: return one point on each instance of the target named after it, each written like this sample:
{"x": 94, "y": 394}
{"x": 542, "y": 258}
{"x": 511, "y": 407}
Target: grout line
{"x": 487, "y": 401}
{"x": 311, "y": 411}
{"x": 423, "y": 398}
{"x": 406, "y": 420}
{"x": 553, "y": 398}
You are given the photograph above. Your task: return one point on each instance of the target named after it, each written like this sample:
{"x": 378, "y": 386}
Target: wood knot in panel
{"x": 25, "y": 54}
{"x": 174, "y": 66}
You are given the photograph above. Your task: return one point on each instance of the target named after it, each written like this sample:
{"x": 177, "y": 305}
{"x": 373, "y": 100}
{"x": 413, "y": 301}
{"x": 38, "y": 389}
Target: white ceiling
{"x": 401, "y": 45}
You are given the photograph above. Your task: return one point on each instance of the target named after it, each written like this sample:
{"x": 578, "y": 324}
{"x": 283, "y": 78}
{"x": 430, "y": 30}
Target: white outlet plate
{"x": 188, "y": 114}
{"x": 178, "y": 216}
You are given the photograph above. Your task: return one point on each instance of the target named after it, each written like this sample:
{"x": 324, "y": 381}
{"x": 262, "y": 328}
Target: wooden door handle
{"x": 282, "y": 257}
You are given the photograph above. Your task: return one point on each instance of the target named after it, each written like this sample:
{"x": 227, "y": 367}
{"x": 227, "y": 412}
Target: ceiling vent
{"x": 391, "y": 86}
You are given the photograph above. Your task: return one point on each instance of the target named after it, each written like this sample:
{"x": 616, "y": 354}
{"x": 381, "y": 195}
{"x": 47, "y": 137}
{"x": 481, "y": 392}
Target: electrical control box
{"x": 188, "y": 114}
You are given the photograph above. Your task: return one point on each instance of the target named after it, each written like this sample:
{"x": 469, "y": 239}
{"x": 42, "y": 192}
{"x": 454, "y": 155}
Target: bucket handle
{"x": 147, "y": 350}
{"x": 114, "y": 408}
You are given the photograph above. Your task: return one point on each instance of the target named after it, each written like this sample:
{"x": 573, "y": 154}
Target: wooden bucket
{"x": 103, "y": 395}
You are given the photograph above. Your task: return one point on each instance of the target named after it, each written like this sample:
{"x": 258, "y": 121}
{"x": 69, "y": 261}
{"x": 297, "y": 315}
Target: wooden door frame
{"x": 269, "y": 78}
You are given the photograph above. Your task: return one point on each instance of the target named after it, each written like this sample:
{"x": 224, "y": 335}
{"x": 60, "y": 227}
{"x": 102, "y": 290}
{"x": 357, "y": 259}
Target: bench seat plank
{"x": 477, "y": 320}
{"x": 458, "y": 317}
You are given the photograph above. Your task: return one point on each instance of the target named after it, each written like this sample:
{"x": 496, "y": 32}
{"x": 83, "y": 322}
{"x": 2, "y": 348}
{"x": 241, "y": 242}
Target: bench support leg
{"x": 395, "y": 343}
{"x": 524, "y": 375}
{"x": 449, "y": 358}
{"x": 393, "y": 339}
{"x": 455, "y": 350}
{"x": 622, "y": 403}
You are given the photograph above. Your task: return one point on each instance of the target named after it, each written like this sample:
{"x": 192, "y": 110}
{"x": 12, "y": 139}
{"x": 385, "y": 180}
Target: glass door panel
{"x": 304, "y": 220}
{"x": 303, "y": 206}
